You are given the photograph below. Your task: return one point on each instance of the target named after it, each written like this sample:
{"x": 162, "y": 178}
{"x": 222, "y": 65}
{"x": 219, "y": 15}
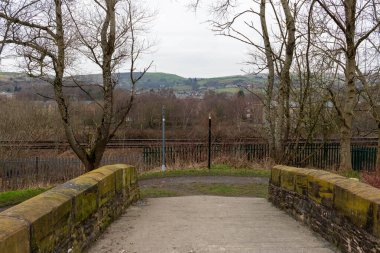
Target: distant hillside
{"x": 14, "y": 82}
{"x": 164, "y": 80}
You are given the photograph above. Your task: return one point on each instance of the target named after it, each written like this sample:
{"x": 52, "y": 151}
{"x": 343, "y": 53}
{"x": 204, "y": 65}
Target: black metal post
{"x": 209, "y": 142}
{"x": 163, "y": 167}
{"x": 37, "y": 161}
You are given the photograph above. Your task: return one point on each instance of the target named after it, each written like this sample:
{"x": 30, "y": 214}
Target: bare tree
{"x": 368, "y": 73}
{"x": 48, "y": 35}
{"x": 342, "y": 28}
{"x": 272, "y": 52}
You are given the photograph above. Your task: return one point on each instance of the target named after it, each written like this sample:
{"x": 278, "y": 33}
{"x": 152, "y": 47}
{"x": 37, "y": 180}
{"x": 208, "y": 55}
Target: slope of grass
{"x": 16, "y": 197}
{"x": 216, "y": 170}
{"x": 256, "y": 190}
{"x": 155, "y": 192}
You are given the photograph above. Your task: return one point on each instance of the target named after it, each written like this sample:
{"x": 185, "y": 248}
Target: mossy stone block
{"x": 301, "y": 184}
{"x": 99, "y": 174}
{"x": 132, "y": 174}
{"x": 69, "y": 189}
{"x": 320, "y": 191}
{"x": 376, "y": 220}
{"x": 357, "y": 209}
{"x": 287, "y": 180}
{"x": 47, "y": 231}
{"x": 85, "y": 204}
{"x": 315, "y": 173}
{"x": 106, "y": 189}
{"x": 82, "y": 183}
{"x": 275, "y": 176}
{"x": 120, "y": 175}
{"x": 373, "y": 195}
{"x": 14, "y": 235}
{"x": 116, "y": 167}
{"x": 86, "y": 201}
{"x": 119, "y": 180}
{"x": 128, "y": 178}
{"x": 49, "y": 215}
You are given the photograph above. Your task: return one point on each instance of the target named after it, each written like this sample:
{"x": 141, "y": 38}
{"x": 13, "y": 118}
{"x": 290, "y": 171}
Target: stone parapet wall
{"x": 343, "y": 211}
{"x": 70, "y": 216}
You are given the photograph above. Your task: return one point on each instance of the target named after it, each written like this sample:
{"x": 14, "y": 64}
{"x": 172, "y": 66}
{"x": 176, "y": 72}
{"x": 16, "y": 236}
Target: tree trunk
{"x": 350, "y": 93}
{"x": 93, "y": 159}
{"x": 345, "y": 150}
{"x": 285, "y": 82}
{"x": 378, "y": 150}
{"x": 270, "y": 119}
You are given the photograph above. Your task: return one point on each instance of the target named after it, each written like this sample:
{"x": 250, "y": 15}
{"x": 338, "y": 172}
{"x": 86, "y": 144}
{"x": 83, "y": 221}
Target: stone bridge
{"x": 310, "y": 212}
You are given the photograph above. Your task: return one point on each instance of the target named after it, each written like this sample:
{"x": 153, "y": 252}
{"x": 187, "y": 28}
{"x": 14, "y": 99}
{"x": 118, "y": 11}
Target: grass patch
{"x": 16, "y": 197}
{"x": 155, "y": 192}
{"x": 351, "y": 174}
{"x": 216, "y": 170}
{"x": 258, "y": 190}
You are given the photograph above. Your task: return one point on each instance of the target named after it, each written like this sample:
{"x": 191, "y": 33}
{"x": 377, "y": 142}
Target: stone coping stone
{"x": 39, "y": 224}
{"x": 357, "y": 201}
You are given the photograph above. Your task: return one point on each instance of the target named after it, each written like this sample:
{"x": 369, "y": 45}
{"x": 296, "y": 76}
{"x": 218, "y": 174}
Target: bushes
{"x": 371, "y": 178}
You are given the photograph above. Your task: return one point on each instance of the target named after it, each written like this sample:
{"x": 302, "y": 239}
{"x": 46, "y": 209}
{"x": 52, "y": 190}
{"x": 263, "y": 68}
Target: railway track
{"x": 119, "y": 143}
{"x": 141, "y": 143}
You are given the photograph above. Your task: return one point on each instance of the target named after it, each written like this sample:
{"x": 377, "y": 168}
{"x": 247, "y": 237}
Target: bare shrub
{"x": 371, "y": 178}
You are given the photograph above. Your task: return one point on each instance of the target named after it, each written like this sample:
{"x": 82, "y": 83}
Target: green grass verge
{"x": 351, "y": 174}
{"x": 216, "y": 170}
{"x": 258, "y": 190}
{"x": 16, "y": 197}
{"x": 155, "y": 192}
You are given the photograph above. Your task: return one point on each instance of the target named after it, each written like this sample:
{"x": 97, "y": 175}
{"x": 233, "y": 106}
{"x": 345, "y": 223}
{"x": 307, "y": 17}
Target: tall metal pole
{"x": 163, "y": 168}
{"x": 209, "y": 142}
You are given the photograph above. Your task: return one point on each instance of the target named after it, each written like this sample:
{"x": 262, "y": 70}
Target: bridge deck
{"x": 208, "y": 224}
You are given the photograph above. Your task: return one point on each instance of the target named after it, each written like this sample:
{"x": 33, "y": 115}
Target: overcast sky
{"x": 184, "y": 45}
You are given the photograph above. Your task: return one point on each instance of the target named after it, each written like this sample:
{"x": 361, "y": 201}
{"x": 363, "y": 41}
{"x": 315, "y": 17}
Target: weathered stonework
{"x": 343, "y": 211}
{"x": 70, "y": 216}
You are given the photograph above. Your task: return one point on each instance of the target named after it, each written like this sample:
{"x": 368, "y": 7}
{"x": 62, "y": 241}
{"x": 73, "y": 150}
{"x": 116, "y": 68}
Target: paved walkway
{"x": 198, "y": 224}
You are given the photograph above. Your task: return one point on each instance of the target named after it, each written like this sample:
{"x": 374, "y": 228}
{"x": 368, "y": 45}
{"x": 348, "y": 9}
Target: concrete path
{"x": 208, "y": 224}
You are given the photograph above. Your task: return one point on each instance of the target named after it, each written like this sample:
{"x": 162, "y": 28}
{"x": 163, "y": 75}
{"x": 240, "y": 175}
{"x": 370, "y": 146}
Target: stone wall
{"x": 344, "y": 211}
{"x": 71, "y": 216}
